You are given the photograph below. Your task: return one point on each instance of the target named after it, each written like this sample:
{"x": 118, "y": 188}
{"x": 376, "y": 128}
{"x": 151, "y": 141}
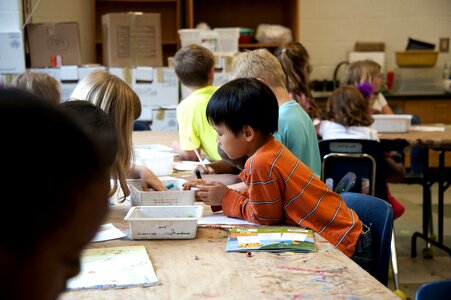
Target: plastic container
{"x": 392, "y": 123}
{"x": 416, "y": 58}
{"x": 190, "y": 36}
{"x": 161, "y": 163}
{"x": 228, "y": 39}
{"x": 163, "y": 222}
{"x": 174, "y": 196}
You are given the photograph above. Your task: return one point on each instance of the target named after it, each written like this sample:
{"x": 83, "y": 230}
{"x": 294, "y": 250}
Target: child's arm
{"x": 149, "y": 179}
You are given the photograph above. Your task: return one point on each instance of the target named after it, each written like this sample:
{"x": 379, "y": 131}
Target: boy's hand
{"x": 212, "y": 193}
{"x": 193, "y": 184}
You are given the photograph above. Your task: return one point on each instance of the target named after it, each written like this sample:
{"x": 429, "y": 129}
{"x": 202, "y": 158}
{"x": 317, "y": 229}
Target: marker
{"x": 198, "y": 155}
{"x": 198, "y": 175}
{"x": 169, "y": 186}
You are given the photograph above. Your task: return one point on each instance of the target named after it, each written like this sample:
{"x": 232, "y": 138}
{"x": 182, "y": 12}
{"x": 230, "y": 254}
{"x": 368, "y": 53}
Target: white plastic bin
{"x": 174, "y": 196}
{"x": 392, "y": 123}
{"x": 163, "y": 222}
{"x": 161, "y": 163}
{"x": 228, "y": 39}
{"x": 189, "y": 36}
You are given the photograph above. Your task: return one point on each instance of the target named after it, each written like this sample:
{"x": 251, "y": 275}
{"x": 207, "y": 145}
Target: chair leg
{"x": 394, "y": 260}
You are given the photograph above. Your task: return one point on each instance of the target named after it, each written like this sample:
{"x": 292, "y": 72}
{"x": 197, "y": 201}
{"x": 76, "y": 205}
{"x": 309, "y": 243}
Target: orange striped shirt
{"x": 282, "y": 190}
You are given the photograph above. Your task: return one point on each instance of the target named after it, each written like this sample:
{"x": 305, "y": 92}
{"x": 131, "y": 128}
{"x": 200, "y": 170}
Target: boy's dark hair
{"x": 48, "y": 159}
{"x": 244, "y": 101}
{"x": 97, "y": 123}
{"x": 192, "y": 65}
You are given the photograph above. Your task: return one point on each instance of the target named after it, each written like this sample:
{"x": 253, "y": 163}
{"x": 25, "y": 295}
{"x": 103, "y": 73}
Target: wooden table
{"x": 441, "y": 143}
{"x": 200, "y": 268}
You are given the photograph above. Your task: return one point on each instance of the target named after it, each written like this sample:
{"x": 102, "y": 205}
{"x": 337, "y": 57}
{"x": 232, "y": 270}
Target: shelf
{"x": 259, "y": 45}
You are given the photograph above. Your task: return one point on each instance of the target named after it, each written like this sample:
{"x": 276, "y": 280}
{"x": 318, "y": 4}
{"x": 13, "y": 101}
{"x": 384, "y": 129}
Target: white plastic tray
{"x": 392, "y": 123}
{"x": 174, "y": 196}
{"x": 163, "y": 222}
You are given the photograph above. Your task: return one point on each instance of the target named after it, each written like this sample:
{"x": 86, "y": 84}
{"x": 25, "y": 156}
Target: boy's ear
{"x": 249, "y": 133}
{"x": 211, "y": 74}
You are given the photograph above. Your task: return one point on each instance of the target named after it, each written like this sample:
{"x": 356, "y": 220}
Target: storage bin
{"x": 392, "y": 123}
{"x": 416, "y": 58}
{"x": 189, "y": 36}
{"x": 228, "y": 39}
{"x": 174, "y": 196}
{"x": 161, "y": 163}
{"x": 163, "y": 222}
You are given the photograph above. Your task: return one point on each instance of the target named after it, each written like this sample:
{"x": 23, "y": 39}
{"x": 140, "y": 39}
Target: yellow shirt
{"x": 193, "y": 123}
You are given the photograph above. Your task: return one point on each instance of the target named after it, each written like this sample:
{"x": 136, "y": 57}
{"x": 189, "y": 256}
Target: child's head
{"x": 39, "y": 84}
{"x": 115, "y": 97}
{"x": 56, "y": 187}
{"x": 261, "y": 64}
{"x": 241, "y": 106}
{"x": 194, "y": 66}
{"x": 294, "y": 59}
{"x": 96, "y": 123}
{"x": 361, "y": 71}
{"x": 347, "y": 106}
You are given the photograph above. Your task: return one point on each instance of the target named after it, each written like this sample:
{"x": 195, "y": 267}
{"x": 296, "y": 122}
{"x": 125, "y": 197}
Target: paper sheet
{"x": 219, "y": 219}
{"x": 116, "y": 267}
{"x": 107, "y": 232}
{"x": 187, "y": 165}
{"x": 424, "y": 128}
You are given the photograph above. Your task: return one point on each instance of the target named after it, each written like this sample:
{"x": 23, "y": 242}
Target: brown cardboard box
{"x": 48, "y": 39}
{"x": 131, "y": 39}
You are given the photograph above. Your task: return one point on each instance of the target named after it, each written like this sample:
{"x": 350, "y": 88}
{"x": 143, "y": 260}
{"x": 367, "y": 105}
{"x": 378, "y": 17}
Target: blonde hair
{"x": 261, "y": 64}
{"x": 39, "y": 84}
{"x": 294, "y": 59}
{"x": 360, "y": 71}
{"x": 347, "y": 106}
{"x": 115, "y": 97}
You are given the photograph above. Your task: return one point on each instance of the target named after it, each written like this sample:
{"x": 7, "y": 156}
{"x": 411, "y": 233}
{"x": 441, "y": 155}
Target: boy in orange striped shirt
{"x": 281, "y": 189}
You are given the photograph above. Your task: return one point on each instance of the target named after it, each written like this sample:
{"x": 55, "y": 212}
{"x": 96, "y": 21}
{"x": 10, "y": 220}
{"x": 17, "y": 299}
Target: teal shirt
{"x": 297, "y": 133}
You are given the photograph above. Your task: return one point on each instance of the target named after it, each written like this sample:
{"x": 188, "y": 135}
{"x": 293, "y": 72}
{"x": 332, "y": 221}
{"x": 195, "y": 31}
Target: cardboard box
{"x": 132, "y": 39}
{"x": 12, "y": 56}
{"x": 155, "y": 87}
{"x": 47, "y": 40}
{"x": 164, "y": 119}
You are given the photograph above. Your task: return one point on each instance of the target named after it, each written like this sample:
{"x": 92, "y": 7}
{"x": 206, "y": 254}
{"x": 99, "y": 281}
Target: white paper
{"x": 427, "y": 128}
{"x": 220, "y": 219}
{"x": 107, "y": 232}
{"x": 187, "y": 165}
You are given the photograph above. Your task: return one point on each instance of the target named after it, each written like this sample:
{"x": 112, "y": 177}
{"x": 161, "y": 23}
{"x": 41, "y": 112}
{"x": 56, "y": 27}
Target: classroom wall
{"x": 81, "y": 11}
{"x": 329, "y": 28}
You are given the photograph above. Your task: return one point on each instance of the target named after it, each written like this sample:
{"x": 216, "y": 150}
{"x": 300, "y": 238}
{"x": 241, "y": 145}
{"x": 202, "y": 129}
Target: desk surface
{"x": 435, "y": 139}
{"x": 216, "y": 274}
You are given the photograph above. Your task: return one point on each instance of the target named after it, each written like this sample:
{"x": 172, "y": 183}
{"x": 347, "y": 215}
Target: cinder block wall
{"x": 330, "y": 28}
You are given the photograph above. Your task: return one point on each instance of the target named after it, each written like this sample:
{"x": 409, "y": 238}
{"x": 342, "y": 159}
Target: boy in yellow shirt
{"x": 194, "y": 66}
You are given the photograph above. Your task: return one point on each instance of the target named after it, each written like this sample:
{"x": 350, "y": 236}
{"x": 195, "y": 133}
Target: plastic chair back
{"x": 440, "y": 289}
{"x": 364, "y": 158}
{"x": 378, "y": 215}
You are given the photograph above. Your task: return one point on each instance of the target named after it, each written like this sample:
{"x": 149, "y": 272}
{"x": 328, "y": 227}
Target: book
{"x": 272, "y": 239}
{"x": 116, "y": 267}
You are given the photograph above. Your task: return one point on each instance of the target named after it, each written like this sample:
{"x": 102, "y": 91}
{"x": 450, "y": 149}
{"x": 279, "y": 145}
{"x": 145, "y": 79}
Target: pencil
{"x": 198, "y": 155}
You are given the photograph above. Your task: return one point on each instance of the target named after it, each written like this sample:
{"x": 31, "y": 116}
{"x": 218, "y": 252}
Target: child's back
{"x": 194, "y": 66}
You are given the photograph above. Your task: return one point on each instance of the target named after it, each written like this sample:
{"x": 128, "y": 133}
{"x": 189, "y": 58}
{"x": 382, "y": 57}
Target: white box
{"x": 68, "y": 80}
{"x": 163, "y": 222}
{"x": 228, "y": 39}
{"x": 164, "y": 119}
{"x": 12, "y": 56}
{"x": 219, "y": 79}
{"x": 174, "y": 196}
{"x": 155, "y": 87}
{"x": 392, "y": 123}
{"x": 161, "y": 163}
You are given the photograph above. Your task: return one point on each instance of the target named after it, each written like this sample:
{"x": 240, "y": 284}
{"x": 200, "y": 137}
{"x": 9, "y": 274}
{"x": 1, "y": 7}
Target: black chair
{"x": 378, "y": 215}
{"x": 140, "y": 126}
{"x": 364, "y": 158}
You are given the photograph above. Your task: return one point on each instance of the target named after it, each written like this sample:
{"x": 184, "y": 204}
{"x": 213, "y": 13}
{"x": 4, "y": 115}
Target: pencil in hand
{"x": 198, "y": 155}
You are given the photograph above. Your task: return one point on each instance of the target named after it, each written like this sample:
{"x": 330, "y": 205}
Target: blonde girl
{"x": 295, "y": 62}
{"x": 369, "y": 71}
{"x": 122, "y": 105}
{"x": 39, "y": 84}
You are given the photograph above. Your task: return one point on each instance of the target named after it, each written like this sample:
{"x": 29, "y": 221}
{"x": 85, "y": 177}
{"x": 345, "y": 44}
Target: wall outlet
{"x": 444, "y": 45}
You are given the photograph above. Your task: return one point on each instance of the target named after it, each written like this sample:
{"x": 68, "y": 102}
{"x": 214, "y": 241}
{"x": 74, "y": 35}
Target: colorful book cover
{"x": 117, "y": 267}
{"x": 272, "y": 239}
